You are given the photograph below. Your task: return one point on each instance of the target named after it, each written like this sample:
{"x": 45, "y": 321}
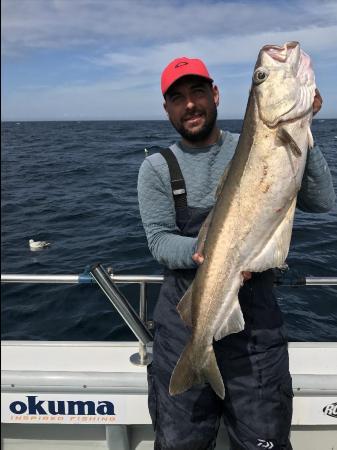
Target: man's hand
{"x": 199, "y": 259}
{"x": 246, "y": 275}
{"x": 317, "y": 105}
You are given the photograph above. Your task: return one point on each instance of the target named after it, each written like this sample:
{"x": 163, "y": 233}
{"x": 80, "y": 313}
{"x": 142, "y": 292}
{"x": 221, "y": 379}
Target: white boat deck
{"x": 77, "y": 395}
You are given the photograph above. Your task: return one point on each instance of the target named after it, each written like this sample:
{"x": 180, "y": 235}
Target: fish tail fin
{"x": 212, "y": 374}
{"x": 185, "y": 374}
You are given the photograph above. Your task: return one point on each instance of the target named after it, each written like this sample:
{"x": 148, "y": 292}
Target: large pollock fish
{"x": 250, "y": 226}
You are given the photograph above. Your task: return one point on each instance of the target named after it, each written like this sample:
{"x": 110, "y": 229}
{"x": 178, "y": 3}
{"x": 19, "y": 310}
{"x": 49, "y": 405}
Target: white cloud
{"x": 95, "y": 101}
{"x": 135, "y": 39}
{"x": 31, "y": 24}
{"x": 221, "y": 50}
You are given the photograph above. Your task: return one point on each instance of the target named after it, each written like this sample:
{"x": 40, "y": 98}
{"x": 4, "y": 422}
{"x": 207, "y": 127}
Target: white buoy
{"x": 36, "y": 245}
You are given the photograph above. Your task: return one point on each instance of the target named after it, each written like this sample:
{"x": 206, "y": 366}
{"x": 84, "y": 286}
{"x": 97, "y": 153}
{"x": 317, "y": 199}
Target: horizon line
{"x": 123, "y": 120}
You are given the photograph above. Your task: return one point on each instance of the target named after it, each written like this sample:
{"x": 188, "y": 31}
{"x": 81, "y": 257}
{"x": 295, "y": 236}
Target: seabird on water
{"x": 34, "y": 245}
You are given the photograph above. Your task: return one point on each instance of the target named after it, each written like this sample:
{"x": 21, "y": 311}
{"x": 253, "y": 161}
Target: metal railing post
{"x": 121, "y": 304}
{"x": 143, "y": 358}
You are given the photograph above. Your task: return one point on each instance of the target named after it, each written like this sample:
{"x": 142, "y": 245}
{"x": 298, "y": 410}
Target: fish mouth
{"x": 287, "y": 116}
{"x": 278, "y": 120}
{"x": 281, "y": 53}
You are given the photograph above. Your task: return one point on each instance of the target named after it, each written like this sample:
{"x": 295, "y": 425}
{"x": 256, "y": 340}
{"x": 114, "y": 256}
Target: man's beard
{"x": 203, "y": 133}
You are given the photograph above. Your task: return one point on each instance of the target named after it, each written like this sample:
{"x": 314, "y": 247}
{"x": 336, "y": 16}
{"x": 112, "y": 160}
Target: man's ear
{"x": 216, "y": 95}
{"x": 165, "y": 107}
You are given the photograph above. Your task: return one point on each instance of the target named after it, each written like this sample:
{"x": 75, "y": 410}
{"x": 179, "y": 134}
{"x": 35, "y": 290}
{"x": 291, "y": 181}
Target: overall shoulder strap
{"x": 177, "y": 180}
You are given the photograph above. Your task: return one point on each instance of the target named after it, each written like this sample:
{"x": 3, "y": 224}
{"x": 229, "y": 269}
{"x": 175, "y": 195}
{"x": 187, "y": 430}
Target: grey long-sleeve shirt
{"x": 202, "y": 169}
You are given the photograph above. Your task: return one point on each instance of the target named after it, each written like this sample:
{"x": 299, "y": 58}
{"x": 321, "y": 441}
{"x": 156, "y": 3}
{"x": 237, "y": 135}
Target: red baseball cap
{"x": 181, "y": 67}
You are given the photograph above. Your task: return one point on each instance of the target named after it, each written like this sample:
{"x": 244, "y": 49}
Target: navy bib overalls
{"x": 257, "y": 408}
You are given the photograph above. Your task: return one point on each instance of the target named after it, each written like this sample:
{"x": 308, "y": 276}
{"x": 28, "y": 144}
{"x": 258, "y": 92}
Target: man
{"x": 176, "y": 192}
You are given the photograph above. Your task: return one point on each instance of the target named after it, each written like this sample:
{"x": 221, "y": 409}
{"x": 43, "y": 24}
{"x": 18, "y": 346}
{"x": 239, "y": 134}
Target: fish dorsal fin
{"x": 185, "y": 306}
{"x": 203, "y": 232}
{"x": 287, "y": 139}
{"x": 205, "y": 226}
{"x": 222, "y": 181}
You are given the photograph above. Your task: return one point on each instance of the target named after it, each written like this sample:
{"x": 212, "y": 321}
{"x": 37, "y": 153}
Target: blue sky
{"x": 102, "y": 59}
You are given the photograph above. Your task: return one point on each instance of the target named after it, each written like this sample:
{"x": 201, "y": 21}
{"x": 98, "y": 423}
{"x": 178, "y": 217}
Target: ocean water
{"x": 74, "y": 185}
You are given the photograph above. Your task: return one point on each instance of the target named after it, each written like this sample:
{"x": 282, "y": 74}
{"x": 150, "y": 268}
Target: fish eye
{"x": 260, "y": 75}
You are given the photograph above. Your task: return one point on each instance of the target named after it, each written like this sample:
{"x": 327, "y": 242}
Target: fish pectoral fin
{"x": 287, "y": 139}
{"x": 185, "y": 374}
{"x": 275, "y": 250}
{"x": 234, "y": 322}
{"x": 184, "y": 307}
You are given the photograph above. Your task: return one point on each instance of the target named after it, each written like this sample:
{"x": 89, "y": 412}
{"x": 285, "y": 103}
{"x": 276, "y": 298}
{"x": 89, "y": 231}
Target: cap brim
{"x": 187, "y": 75}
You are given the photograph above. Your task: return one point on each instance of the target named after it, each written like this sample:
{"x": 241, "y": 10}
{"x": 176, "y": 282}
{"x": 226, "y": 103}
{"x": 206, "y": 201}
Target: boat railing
{"x": 138, "y": 323}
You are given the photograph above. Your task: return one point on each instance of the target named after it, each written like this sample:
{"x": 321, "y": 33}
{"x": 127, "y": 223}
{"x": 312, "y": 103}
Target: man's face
{"x": 191, "y": 104}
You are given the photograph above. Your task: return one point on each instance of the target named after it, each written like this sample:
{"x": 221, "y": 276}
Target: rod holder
{"x": 121, "y": 304}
